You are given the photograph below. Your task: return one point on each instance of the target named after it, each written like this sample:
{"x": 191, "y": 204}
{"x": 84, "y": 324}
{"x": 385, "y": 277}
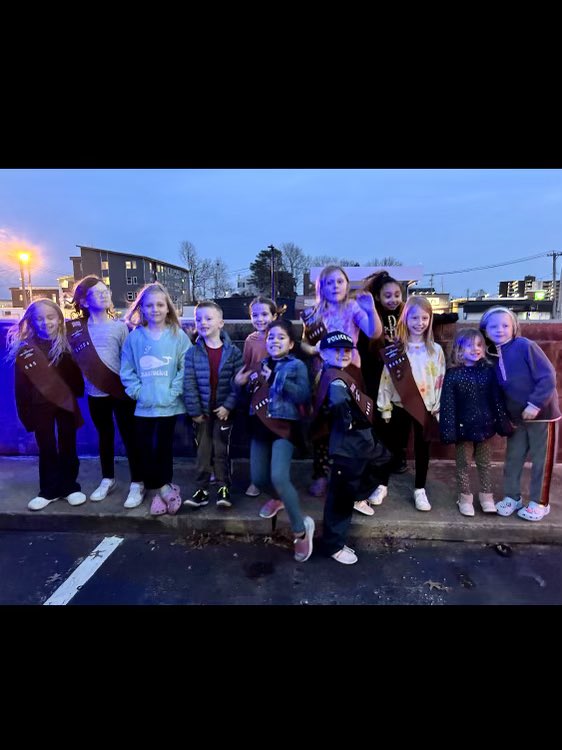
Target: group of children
{"x": 366, "y": 373}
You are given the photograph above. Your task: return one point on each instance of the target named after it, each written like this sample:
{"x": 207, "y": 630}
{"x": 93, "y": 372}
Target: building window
{"x": 134, "y": 279}
{"x": 105, "y": 265}
{"x": 128, "y": 264}
{"x": 105, "y": 274}
{"x": 106, "y": 281}
{"x": 134, "y": 265}
{"x": 131, "y": 280}
{"x": 130, "y": 296}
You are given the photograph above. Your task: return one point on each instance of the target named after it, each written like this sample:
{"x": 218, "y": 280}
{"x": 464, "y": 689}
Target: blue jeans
{"x": 271, "y": 463}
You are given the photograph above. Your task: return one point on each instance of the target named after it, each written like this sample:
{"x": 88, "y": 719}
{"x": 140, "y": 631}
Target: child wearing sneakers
{"x": 528, "y": 381}
{"x": 152, "y": 363}
{"x": 410, "y": 391}
{"x": 210, "y": 396}
{"x": 348, "y": 413}
{"x": 472, "y": 412}
{"x": 47, "y": 382}
{"x": 278, "y": 388}
{"x": 262, "y": 312}
{"x": 96, "y": 339}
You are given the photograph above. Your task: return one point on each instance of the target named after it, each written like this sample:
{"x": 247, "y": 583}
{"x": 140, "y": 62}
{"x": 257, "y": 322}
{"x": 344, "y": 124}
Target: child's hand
{"x": 242, "y": 376}
{"x": 529, "y": 412}
{"x": 365, "y": 301}
{"x": 198, "y": 420}
{"x": 265, "y": 371}
{"x": 222, "y": 413}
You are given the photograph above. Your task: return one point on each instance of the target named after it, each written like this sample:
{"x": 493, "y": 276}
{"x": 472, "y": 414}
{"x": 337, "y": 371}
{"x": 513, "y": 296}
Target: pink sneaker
{"x": 271, "y": 508}
{"x": 303, "y": 547}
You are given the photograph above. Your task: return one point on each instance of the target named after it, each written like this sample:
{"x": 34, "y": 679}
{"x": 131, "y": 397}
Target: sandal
{"x": 158, "y": 506}
{"x": 534, "y": 511}
{"x": 507, "y": 506}
{"x": 173, "y": 500}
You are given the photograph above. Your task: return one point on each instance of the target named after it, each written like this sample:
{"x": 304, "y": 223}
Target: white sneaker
{"x": 136, "y": 495}
{"x": 38, "y": 503}
{"x": 76, "y": 498}
{"x": 377, "y": 496}
{"x": 253, "y": 491}
{"x": 106, "y": 486}
{"x": 421, "y": 501}
{"x": 362, "y": 506}
{"x": 345, "y": 555}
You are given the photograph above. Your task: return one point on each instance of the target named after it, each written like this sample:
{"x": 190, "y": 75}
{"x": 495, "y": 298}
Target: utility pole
{"x": 554, "y": 296}
{"x": 272, "y": 270}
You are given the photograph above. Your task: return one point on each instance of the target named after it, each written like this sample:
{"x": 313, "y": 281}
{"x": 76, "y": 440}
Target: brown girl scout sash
{"x": 315, "y": 331}
{"x": 260, "y": 399}
{"x": 395, "y": 358}
{"x": 363, "y": 401}
{"x": 89, "y": 361}
{"x": 34, "y": 364}
{"x": 320, "y": 427}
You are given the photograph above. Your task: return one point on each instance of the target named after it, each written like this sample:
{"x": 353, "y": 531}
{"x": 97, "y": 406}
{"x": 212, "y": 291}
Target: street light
{"x": 24, "y": 258}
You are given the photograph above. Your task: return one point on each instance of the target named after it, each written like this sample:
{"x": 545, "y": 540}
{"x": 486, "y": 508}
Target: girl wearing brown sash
{"x": 388, "y": 295}
{"x": 335, "y": 310}
{"x": 410, "y": 392}
{"x": 96, "y": 340}
{"x": 278, "y": 389}
{"x": 47, "y": 382}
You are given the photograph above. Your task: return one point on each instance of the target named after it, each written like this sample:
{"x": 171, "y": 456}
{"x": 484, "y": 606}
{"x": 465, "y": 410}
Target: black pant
{"x": 400, "y": 432}
{"x": 58, "y": 460}
{"x": 346, "y": 476}
{"x": 390, "y": 433}
{"x": 155, "y": 437}
{"x": 213, "y": 451}
{"x": 102, "y": 409}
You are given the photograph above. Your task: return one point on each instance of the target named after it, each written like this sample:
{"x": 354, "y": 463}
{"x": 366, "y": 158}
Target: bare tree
{"x": 190, "y": 256}
{"x": 388, "y": 260}
{"x": 204, "y": 282}
{"x": 324, "y": 260}
{"x": 295, "y": 261}
{"x": 349, "y": 263}
{"x": 220, "y": 281}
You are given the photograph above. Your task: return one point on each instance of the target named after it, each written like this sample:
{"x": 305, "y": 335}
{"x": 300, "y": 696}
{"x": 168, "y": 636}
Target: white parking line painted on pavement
{"x": 84, "y": 571}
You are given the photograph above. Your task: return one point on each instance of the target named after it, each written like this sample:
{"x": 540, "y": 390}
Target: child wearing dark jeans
{"x": 352, "y": 449}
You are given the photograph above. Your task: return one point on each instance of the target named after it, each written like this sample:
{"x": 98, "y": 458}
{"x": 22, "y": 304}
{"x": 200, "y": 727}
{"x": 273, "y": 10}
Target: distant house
{"x": 37, "y": 292}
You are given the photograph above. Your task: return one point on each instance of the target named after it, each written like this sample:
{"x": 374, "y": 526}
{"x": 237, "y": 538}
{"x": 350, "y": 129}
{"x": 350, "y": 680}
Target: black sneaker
{"x": 223, "y": 497}
{"x": 200, "y": 497}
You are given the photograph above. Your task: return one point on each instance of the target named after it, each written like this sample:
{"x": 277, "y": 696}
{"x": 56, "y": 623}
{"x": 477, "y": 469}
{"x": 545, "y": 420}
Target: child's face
{"x": 155, "y": 308}
{"x": 261, "y": 316}
{"x": 208, "y": 322}
{"x": 335, "y": 287}
{"x": 499, "y": 328}
{"x": 417, "y": 321}
{"x": 98, "y": 297}
{"x": 45, "y": 321}
{"x": 472, "y": 352}
{"x": 337, "y": 357}
{"x": 278, "y": 343}
{"x": 390, "y": 296}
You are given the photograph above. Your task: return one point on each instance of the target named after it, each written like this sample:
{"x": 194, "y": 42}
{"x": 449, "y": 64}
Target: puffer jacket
{"x": 197, "y": 377}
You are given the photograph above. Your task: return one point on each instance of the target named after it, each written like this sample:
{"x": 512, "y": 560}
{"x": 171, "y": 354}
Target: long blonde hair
{"x": 321, "y": 283}
{"x": 24, "y": 331}
{"x": 134, "y": 316}
{"x": 402, "y": 325}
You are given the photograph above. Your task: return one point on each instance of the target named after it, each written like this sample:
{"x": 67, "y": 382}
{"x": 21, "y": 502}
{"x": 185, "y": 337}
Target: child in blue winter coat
{"x": 210, "y": 396}
{"x": 528, "y": 381}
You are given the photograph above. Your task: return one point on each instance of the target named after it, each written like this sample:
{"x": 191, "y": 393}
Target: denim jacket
{"x": 290, "y": 388}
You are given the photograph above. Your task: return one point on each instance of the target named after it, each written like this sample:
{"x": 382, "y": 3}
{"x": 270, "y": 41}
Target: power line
{"x": 483, "y": 268}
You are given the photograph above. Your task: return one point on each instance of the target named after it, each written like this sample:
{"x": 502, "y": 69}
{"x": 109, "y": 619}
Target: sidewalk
{"x": 396, "y": 517}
